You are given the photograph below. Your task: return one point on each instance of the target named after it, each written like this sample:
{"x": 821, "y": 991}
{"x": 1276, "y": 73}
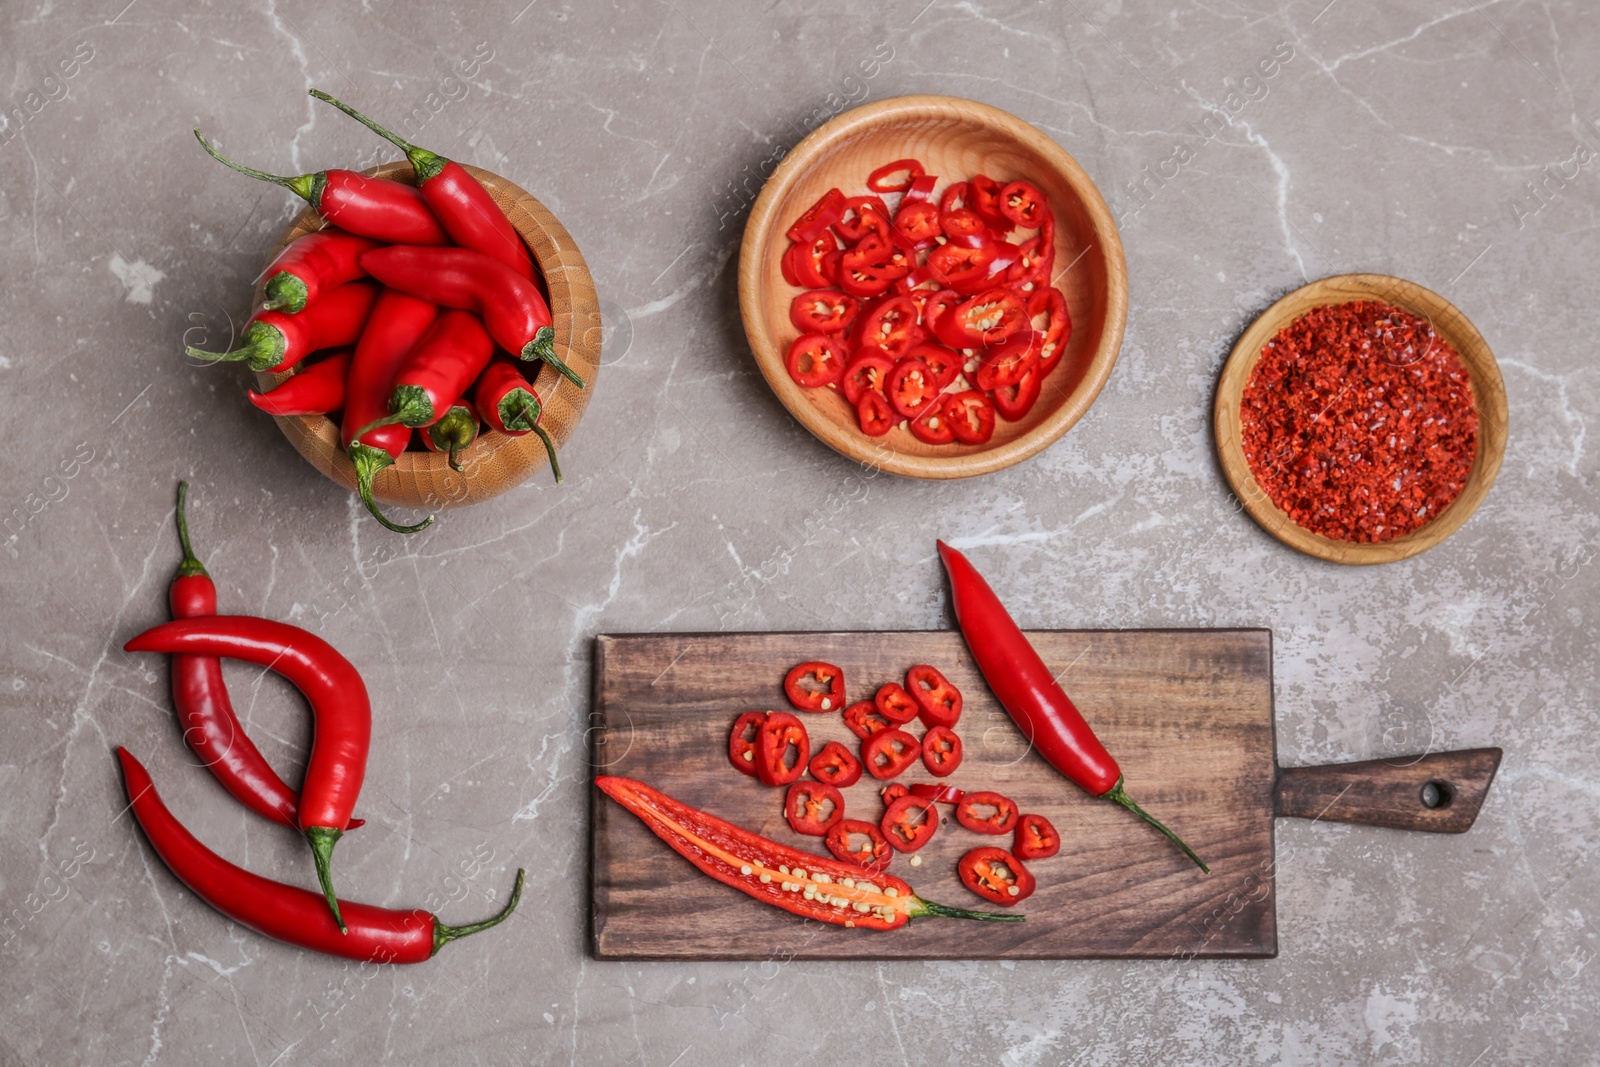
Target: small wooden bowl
{"x": 1488, "y": 393}
{"x": 495, "y": 462}
{"x": 954, "y": 139}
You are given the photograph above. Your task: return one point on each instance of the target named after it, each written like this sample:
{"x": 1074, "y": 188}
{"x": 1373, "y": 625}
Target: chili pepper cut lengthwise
{"x": 1028, "y": 691}
{"x": 285, "y": 912}
{"x": 807, "y": 885}
{"x": 339, "y": 706}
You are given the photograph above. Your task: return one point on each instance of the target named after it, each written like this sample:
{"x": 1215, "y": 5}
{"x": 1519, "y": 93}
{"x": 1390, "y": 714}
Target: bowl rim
{"x": 1488, "y": 394}
{"x": 760, "y": 229}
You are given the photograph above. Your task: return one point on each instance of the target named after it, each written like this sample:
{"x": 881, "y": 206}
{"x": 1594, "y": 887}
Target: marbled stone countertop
{"x": 1449, "y": 144}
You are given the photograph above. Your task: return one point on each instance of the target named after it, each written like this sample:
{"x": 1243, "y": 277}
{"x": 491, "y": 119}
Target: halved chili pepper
{"x": 985, "y": 195}
{"x": 339, "y": 706}
{"x": 510, "y": 404}
{"x": 818, "y": 217}
{"x": 276, "y": 341}
{"x": 888, "y": 752}
{"x": 874, "y": 415}
{"x": 938, "y": 701}
{"x": 812, "y": 808}
{"x": 371, "y": 207}
{"x": 893, "y": 792}
{"x": 439, "y": 368}
{"x": 781, "y": 733}
{"x": 815, "y": 686}
{"x": 835, "y": 765}
{"x": 825, "y": 311}
{"x": 315, "y": 390}
{"x": 890, "y": 325}
{"x": 815, "y": 360}
{"x": 895, "y": 704}
{"x": 810, "y": 886}
{"x": 886, "y": 179}
{"x": 1008, "y": 361}
{"x": 942, "y": 794}
{"x": 1002, "y": 820}
{"x": 980, "y": 321}
{"x": 941, "y": 751}
{"x": 1014, "y": 401}
{"x": 862, "y": 215}
{"x": 943, "y": 362}
{"x": 864, "y": 719}
{"x": 510, "y": 305}
{"x": 910, "y": 823}
{"x": 910, "y": 387}
{"x": 1023, "y": 204}
{"x": 932, "y": 427}
{"x": 284, "y": 912}
{"x": 742, "y": 741}
{"x": 866, "y": 372}
{"x": 874, "y": 855}
{"x": 971, "y": 415}
{"x": 453, "y": 432}
{"x": 816, "y": 262}
{"x": 312, "y": 264}
{"x": 1036, "y": 839}
{"x": 996, "y": 876}
{"x": 398, "y": 322}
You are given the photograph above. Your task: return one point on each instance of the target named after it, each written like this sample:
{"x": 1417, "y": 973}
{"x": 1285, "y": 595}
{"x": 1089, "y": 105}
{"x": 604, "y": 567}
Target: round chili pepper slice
{"x": 910, "y": 823}
{"x": 982, "y": 320}
{"x": 742, "y": 741}
{"x": 786, "y": 265}
{"x": 781, "y": 733}
{"x": 943, "y": 794}
{"x": 893, "y": 792}
{"x": 944, "y": 363}
{"x": 1007, "y": 362}
{"x": 874, "y": 415}
{"x": 962, "y": 224}
{"x": 938, "y": 701}
{"x": 818, "y": 217}
{"x": 941, "y": 751}
{"x": 835, "y": 765}
{"x": 986, "y": 196}
{"x": 996, "y": 876}
{"x": 1035, "y": 260}
{"x": 890, "y": 325}
{"x": 1036, "y": 839}
{"x": 918, "y": 221}
{"x": 825, "y": 311}
{"x": 873, "y": 856}
{"x": 962, "y": 268}
{"x": 812, "y": 808}
{"x": 1023, "y": 204}
{"x": 889, "y": 752}
{"x": 910, "y": 387}
{"x": 815, "y": 686}
{"x": 1002, "y": 821}
{"x": 954, "y": 198}
{"x": 815, "y": 360}
{"x": 1014, "y": 401}
{"x": 938, "y": 304}
{"x": 864, "y": 719}
{"x": 971, "y": 416}
{"x": 816, "y": 263}
{"x": 862, "y": 215}
{"x": 895, "y": 177}
{"x": 895, "y": 704}
{"x": 865, "y": 373}
{"x": 1057, "y": 332}
{"x": 932, "y": 427}
{"x": 876, "y": 257}
{"x": 862, "y": 284}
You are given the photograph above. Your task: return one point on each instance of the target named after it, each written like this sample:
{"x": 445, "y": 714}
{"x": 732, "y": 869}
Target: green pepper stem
{"x": 1117, "y": 795}
{"x": 368, "y": 462}
{"x": 191, "y": 567}
{"x": 928, "y": 907}
{"x": 285, "y": 292}
{"x": 262, "y": 346}
{"x": 322, "y": 839}
{"x": 424, "y": 163}
{"x": 306, "y": 186}
{"x": 544, "y": 435}
{"x": 443, "y": 935}
{"x": 543, "y": 347}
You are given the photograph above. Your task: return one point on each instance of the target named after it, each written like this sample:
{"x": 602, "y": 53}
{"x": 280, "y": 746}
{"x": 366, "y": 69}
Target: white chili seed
{"x": 746, "y": 869}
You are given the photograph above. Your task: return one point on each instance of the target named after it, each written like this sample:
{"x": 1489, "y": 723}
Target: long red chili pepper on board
{"x": 312, "y": 264}
{"x": 398, "y": 322}
{"x": 509, "y": 403}
{"x": 200, "y": 697}
{"x": 453, "y": 432}
{"x": 1028, "y": 690}
{"x": 339, "y": 707}
{"x": 276, "y": 341}
{"x": 812, "y": 886}
{"x": 285, "y": 912}
{"x": 441, "y": 366}
{"x": 516, "y": 315}
{"x": 459, "y": 201}
{"x": 316, "y": 390}
{"x": 372, "y": 207}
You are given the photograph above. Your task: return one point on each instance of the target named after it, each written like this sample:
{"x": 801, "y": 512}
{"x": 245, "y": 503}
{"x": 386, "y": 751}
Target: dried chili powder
{"x": 1358, "y": 421}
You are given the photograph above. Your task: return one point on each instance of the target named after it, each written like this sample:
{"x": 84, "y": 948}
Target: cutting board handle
{"x": 1439, "y": 792}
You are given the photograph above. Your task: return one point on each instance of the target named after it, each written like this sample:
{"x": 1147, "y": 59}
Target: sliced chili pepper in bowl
{"x": 890, "y": 325}
{"x": 818, "y": 217}
{"x": 936, "y": 305}
{"x": 895, "y": 704}
{"x": 1036, "y": 839}
{"x": 786, "y": 265}
{"x": 864, "y": 719}
{"x": 1036, "y": 258}
{"x": 1002, "y": 820}
{"x": 815, "y": 360}
{"x": 986, "y": 196}
{"x": 910, "y": 387}
{"x": 919, "y": 222}
{"x": 932, "y": 427}
{"x": 889, "y": 752}
{"x": 944, "y": 362}
{"x": 1013, "y": 402}
{"x": 815, "y": 686}
{"x": 874, "y": 415}
{"x": 824, "y": 311}
{"x": 874, "y": 855}
{"x": 954, "y": 198}
{"x": 963, "y": 223}
{"x": 866, "y": 372}
{"x": 982, "y": 320}
{"x": 861, "y": 283}
{"x": 862, "y": 215}
{"x": 1023, "y": 204}
{"x": 835, "y": 765}
{"x": 920, "y": 191}
{"x": 971, "y": 415}
{"x": 781, "y": 733}
{"x": 910, "y": 823}
{"x": 812, "y": 808}
{"x": 1007, "y": 362}
{"x": 995, "y": 875}
{"x": 895, "y": 177}
{"x": 941, "y": 751}
{"x": 816, "y": 262}
{"x": 942, "y": 794}
{"x": 938, "y": 701}
{"x": 742, "y": 741}
{"x": 963, "y": 268}
{"x": 876, "y": 256}
{"x": 1057, "y": 332}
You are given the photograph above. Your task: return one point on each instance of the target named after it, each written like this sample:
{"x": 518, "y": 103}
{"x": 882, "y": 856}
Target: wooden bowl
{"x": 954, "y": 139}
{"x": 1488, "y": 393}
{"x": 495, "y": 462}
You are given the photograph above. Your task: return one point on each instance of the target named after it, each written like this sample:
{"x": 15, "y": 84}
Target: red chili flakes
{"x": 1358, "y": 421}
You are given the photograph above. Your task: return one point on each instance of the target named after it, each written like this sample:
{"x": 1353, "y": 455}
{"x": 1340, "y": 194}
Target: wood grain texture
{"x": 495, "y": 462}
{"x": 1392, "y": 792}
{"x": 1187, "y": 712}
{"x": 1488, "y": 390}
{"x": 954, "y": 139}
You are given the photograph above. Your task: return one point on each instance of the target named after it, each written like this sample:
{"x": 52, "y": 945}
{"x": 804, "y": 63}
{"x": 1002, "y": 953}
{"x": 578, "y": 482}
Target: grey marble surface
{"x": 1397, "y": 137}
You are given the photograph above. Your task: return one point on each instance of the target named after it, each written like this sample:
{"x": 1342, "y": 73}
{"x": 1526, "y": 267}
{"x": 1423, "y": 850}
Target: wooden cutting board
{"x": 1187, "y": 713}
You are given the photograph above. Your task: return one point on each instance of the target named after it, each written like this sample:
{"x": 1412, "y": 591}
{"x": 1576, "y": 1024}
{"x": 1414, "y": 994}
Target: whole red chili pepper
{"x": 1027, "y": 689}
{"x": 459, "y": 201}
{"x": 311, "y": 264}
{"x": 453, "y": 432}
{"x": 316, "y": 390}
{"x": 371, "y": 207}
{"x": 510, "y": 305}
{"x": 799, "y": 882}
{"x": 200, "y": 697}
{"x": 509, "y": 403}
{"x": 398, "y": 322}
{"x": 276, "y": 341}
{"x": 440, "y": 368}
{"x": 339, "y": 707}
{"x": 285, "y": 912}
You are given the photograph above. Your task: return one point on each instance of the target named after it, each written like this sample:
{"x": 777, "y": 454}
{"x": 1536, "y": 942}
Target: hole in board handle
{"x": 1437, "y": 795}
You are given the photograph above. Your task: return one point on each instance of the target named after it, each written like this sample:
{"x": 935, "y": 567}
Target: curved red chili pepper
{"x": 459, "y": 201}
{"x": 442, "y": 366}
{"x": 371, "y": 207}
{"x": 453, "y": 432}
{"x": 312, "y": 264}
{"x": 1028, "y": 691}
{"x": 285, "y": 912}
{"x": 339, "y": 707}
{"x": 316, "y": 390}
{"x": 509, "y": 403}
{"x": 516, "y": 315}
{"x": 276, "y": 341}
